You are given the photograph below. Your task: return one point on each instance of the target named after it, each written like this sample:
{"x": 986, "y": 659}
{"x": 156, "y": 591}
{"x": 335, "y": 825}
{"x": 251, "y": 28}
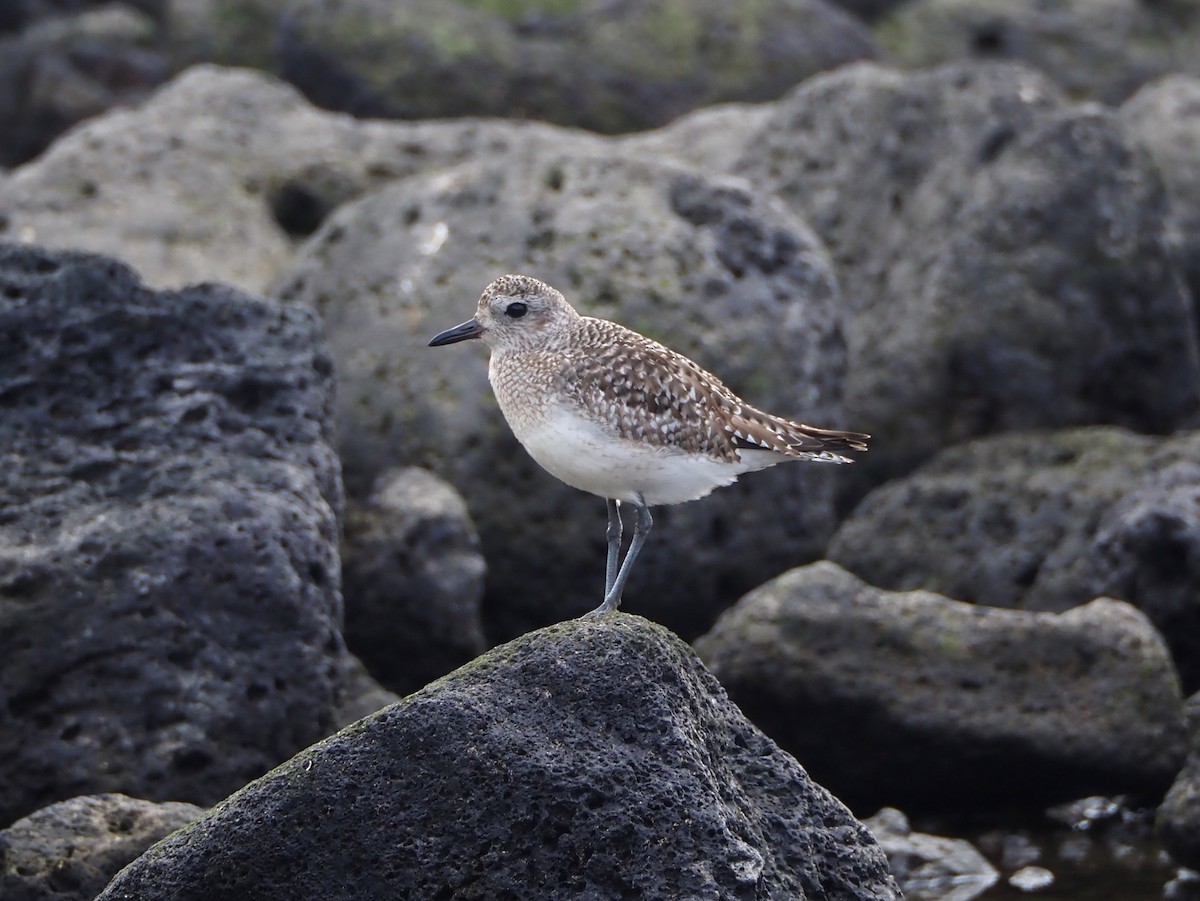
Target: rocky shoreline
{"x": 256, "y": 541}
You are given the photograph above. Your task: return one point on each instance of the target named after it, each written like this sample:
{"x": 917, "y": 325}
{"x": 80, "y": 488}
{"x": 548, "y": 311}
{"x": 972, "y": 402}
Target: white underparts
{"x": 585, "y": 456}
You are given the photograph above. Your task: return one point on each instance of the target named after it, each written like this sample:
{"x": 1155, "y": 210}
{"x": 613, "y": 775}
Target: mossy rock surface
{"x": 976, "y": 706}
{"x": 590, "y": 759}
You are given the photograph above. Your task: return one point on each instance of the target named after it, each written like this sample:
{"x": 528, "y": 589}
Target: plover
{"x": 611, "y": 412}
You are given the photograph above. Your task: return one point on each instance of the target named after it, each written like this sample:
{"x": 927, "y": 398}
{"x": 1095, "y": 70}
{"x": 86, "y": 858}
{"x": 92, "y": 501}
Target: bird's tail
{"x": 754, "y": 429}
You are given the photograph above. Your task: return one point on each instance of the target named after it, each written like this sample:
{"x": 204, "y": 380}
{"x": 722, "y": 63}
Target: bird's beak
{"x": 469, "y": 329}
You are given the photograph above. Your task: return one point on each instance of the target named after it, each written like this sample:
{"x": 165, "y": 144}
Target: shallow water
{"x": 1115, "y": 885}
{"x": 1097, "y": 849}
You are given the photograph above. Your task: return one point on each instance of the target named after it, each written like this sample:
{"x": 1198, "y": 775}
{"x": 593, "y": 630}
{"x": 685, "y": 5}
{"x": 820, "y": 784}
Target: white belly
{"x": 580, "y": 453}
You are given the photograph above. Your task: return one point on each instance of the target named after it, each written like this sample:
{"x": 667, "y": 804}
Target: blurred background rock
{"x": 970, "y": 228}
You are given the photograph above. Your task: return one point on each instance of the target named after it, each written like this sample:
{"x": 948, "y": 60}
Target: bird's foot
{"x": 609, "y": 606}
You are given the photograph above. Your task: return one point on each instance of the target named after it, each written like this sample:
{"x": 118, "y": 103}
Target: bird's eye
{"x": 516, "y": 309}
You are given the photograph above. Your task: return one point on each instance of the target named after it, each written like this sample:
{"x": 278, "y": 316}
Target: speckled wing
{"x": 646, "y": 392}
{"x": 649, "y": 393}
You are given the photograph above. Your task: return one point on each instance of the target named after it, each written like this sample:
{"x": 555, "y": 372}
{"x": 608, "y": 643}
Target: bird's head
{"x": 515, "y": 312}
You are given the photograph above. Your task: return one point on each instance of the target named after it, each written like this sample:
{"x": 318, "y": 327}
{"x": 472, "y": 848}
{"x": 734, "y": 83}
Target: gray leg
{"x": 614, "y": 544}
{"x": 612, "y": 599}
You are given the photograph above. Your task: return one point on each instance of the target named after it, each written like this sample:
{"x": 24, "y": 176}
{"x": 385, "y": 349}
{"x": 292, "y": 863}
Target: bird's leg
{"x": 612, "y": 598}
{"x": 614, "y": 544}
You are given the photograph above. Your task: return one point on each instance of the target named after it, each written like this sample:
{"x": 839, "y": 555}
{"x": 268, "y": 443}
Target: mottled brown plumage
{"x": 650, "y": 393}
{"x": 612, "y": 412}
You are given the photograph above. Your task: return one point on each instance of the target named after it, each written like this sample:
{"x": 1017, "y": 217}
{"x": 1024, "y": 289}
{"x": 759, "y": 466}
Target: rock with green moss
{"x": 410, "y": 59}
{"x": 703, "y": 264}
{"x": 590, "y": 760}
{"x": 225, "y": 32}
{"x": 608, "y": 65}
{"x": 1095, "y": 49}
{"x": 912, "y": 698}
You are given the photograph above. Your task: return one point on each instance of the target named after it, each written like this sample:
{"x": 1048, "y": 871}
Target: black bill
{"x": 469, "y": 329}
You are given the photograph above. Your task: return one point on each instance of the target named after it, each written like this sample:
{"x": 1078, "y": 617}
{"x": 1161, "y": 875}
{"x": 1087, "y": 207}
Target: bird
{"x": 614, "y": 413}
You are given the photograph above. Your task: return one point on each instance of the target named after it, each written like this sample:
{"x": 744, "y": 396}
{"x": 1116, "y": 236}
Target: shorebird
{"x": 612, "y": 412}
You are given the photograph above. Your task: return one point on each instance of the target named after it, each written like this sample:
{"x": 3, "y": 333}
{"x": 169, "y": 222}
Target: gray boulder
{"x": 608, "y": 65}
{"x": 412, "y": 576}
{"x": 409, "y": 59}
{"x": 169, "y": 580}
{"x": 1100, "y": 50}
{"x": 1003, "y": 521}
{"x": 917, "y": 700}
{"x": 1179, "y": 816}
{"x": 1146, "y": 549}
{"x": 70, "y": 850}
{"x": 1165, "y": 117}
{"x": 1003, "y": 255}
{"x": 710, "y": 268}
{"x": 58, "y": 70}
{"x": 1045, "y": 521}
{"x": 591, "y": 760}
{"x": 712, "y": 138}
{"x": 1178, "y": 819}
{"x": 222, "y": 173}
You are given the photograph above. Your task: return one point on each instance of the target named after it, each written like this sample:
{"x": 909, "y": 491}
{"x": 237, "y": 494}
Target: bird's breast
{"x": 598, "y": 447}
{"x": 586, "y": 455}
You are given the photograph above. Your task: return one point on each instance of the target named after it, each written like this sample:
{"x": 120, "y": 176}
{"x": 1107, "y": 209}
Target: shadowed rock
{"x": 1098, "y": 50}
{"x": 917, "y": 700}
{"x": 412, "y": 576}
{"x": 169, "y": 579}
{"x": 70, "y": 851}
{"x": 1165, "y": 117}
{"x": 1045, "y": 521}
{"x": 608, "y": 65}
{"x": 1178, "y": 818}
{"x": 590, "y": 759}
{"x": 1002, "y": 255}
{"x": 72, "y": 64}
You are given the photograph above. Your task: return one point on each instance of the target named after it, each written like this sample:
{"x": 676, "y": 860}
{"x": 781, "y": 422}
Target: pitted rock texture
{"x": 70, "y": 851}
{"x": 169, "y": 578}
{"x": 222, "y": 172}
{"x": 412, "y": 576}
{"x": 1045, "y": 521}
{"x": 590, "y": 760}
{"x": 1004, "y": 255}
{"x": 920, "y": 701}
{"x": 701, "y": 263}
